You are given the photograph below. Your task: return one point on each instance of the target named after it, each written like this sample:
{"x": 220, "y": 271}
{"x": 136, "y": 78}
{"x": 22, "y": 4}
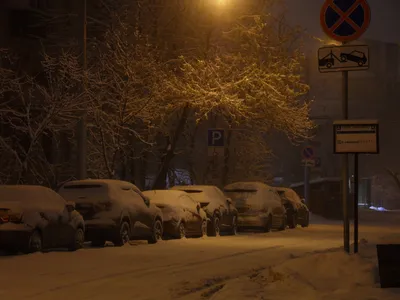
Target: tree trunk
{"x": 142, "y": 171}
{"x": 193, "y": 177}
{"x": 225, "y": 170}
{"x": 169, "y": 152}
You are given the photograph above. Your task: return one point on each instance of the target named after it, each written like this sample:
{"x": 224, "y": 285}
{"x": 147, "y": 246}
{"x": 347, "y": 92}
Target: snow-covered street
{"x": 304, "y": 263}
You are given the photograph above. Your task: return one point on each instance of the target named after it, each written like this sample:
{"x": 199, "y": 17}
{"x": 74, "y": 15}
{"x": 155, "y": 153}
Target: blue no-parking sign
{"x": 308, "y": 152}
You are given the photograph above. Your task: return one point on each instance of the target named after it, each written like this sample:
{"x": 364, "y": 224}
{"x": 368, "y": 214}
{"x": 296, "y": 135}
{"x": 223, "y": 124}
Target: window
{"x": 238, "y": 195}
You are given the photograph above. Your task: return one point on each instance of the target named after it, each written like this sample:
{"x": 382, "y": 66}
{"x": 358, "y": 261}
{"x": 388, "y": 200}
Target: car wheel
{"x": 181, "y": 231}
{"x": 79, "y": 240}
{"x": 284, "y": 223}
{"x": 157, "y": 232}
{"x": 360, "y": 63}
{"x": 234, "y": 228}
{"x": 292, "y": 221}
{"x": 268, "y": 225}
{"x": 328, "y": 65}
{"x": 123, "y": 235}
{"x": 306, "y": 222}
{"x": 343, "y": 58}
{"x": 203, "y": 228}
{"x": 215, "y": 229}
{"x": 35, "y": 243}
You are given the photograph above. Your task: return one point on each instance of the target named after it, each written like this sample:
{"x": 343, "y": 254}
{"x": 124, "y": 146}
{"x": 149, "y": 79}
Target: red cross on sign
{"x": 345, "y": 20}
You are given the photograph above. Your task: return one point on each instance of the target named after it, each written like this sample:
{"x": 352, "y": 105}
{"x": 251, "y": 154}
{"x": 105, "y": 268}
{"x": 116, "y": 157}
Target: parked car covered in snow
{"x": 258, "y": 204}
{"x": 34, "y": 218}
{"x": 221, "y": 212}
{"x": 114, "y": 211}
{"x": 296, "y": 210}
{"x": 182, "y": 215}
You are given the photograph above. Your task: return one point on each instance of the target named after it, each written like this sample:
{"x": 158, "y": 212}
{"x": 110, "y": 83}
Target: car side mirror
{"x": 70, "y": 206}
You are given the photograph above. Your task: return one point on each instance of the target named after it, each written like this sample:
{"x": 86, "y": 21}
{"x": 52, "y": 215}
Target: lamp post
{"x": 82, "y": 124}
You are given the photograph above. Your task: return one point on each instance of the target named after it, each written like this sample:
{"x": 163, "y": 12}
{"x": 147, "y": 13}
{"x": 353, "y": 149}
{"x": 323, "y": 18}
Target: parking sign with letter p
{"x": 216, "y": 137}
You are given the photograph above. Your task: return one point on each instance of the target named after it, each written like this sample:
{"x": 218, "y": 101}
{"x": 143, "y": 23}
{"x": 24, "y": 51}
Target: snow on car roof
{"x": 289, "y": 193}
{"x": 98, "y": 181}
{"x": 163, "y": 196}
{"x": 9, "y": 192}
{"x": 193, "y": 187}
{"x": 247, "y": 186}
{"x": 96, "y": 190}
{"x": 30, "y": 195}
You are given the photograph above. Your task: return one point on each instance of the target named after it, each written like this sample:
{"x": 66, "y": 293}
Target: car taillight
{"x": 4, "y": 219}
{"x": 11, "y": 217}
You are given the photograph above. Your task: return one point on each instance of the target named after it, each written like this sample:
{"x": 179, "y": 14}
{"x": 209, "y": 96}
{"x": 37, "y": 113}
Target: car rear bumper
{"x": 106, "y": 229}
{"x": 15, "y": 236}
{"x": 252, "y": 221}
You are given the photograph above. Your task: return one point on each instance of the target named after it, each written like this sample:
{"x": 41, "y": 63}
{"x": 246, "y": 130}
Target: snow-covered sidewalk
{"x": 330, "y": 275}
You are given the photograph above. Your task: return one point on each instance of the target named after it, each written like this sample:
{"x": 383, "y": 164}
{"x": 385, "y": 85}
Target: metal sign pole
{"x": 356, "y": 203}
{"x": 345, "y": 165}
{"x": 332, "y": 16}
{"x": 307, "y": 184}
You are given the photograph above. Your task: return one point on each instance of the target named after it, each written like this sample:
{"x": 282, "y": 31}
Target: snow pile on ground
{"x": 330, "y": 275}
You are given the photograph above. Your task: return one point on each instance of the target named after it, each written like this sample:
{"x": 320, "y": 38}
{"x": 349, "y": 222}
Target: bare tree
{"x": 128, "y": 106}
{"x": 34, "y": 111}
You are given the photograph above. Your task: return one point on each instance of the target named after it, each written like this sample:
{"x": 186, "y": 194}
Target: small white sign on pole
{"x": 356, "y": 136}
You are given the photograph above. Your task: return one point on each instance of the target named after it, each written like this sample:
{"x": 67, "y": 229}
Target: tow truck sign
{"x": 343, "y": 58}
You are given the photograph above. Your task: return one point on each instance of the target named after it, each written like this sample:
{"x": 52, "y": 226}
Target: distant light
{"x": 377, "y": 208}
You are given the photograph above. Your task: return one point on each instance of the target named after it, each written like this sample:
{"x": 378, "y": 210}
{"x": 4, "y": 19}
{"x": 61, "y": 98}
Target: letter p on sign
{"x": 216, "y": 138}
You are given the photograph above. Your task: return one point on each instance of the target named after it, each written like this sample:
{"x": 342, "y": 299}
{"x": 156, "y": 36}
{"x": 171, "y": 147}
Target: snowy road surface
{"x": 248, "y": 266}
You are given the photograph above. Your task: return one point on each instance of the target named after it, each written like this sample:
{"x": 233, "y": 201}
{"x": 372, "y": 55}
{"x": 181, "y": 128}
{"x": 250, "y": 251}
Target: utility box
{"x": 389, "y": 265}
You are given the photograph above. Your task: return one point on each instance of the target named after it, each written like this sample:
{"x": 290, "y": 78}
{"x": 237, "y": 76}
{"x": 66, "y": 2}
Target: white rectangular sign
{"x": 343, "y": 58}
{"x": 308, "y": 163}
{"x": 356, "y": 136}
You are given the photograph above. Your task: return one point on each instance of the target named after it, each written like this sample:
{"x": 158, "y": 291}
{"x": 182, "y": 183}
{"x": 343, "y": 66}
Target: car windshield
{"x": 240, "y": 194}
